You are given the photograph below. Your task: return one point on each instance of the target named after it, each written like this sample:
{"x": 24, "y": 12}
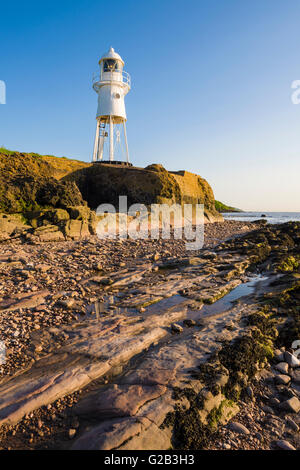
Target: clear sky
{"x": 211, "y": 87}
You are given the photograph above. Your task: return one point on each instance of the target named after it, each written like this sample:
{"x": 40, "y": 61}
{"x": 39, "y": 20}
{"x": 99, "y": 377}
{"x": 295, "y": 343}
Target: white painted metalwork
{"x": 111, "y": 85}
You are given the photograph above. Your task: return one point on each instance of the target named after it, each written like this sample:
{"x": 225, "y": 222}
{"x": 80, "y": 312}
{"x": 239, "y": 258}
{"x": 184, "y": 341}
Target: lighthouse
{"x": 111, "y": 86}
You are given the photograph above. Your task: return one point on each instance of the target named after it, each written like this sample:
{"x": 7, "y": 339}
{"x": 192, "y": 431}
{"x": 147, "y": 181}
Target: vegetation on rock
{"x": 220, "y": 207}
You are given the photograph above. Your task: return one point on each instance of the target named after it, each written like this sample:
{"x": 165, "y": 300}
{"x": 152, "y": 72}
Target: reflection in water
{"x": 107, "y": 307}
{"x": 226, "y": 302}
{"x": 99, "y": 308}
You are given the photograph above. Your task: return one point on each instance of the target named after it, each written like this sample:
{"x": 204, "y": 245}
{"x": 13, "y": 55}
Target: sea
{"x": 271, "y": 217}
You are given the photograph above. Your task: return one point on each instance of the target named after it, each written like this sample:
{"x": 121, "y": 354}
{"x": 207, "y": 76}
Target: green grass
{"x": 220, "y": 207}
{"x": 5, "y": 151}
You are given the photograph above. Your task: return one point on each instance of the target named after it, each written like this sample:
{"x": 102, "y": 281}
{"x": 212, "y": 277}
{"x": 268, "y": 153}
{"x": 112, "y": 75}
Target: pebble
{"x": 72, "y": 433}
{"x": 296, "y": 376}
{"x": 282, "y": 379}
{"x": 268, "y": 409}
{"x": 278, "y": 355}
{"x": 292, "y": 424}
{"x": 283, "y": 367}
{"x": 226, "y": 446}
{"x": 284, "y": 445}
{"x": 249, "y": 391}
{"x": 239, "y": 428}
{"x": 292, "y": 405}
{"x": 176, "y": 328}
{"x": 188, "y": 322}
{"x": 274, "y": 401}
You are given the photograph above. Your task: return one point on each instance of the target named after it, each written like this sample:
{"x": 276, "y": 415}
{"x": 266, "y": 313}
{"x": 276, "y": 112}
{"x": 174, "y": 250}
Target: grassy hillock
{"x": 220, "y": 207}
{"x": 13, "y": 162}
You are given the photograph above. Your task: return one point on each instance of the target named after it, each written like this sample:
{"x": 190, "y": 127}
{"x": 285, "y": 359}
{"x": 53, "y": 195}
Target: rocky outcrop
{"x": 104, "y": 183}
{"x": 73, "y": 222}
{"x": 21, "y": 193}
{"x": 53, "y": 196}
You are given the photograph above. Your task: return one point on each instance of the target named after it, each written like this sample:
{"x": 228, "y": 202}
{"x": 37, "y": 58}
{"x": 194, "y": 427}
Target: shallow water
{"x": 103, "y": 308}
{"x": 225, "y": 303}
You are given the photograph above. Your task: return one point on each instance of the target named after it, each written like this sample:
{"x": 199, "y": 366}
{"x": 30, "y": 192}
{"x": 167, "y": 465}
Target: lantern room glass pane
{"x": 110, "y": 65}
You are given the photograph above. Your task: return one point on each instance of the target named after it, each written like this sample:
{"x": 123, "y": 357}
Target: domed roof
{"x": 111, "y": 54}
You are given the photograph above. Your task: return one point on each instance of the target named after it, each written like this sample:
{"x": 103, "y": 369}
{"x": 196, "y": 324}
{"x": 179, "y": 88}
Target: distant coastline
{"x": 223, "y": 208}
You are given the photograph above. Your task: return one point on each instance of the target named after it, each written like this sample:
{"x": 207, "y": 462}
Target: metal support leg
{"x": 111, "y": 139}
{"x": 126, "y": 143}
{"x": 95, "y": 153}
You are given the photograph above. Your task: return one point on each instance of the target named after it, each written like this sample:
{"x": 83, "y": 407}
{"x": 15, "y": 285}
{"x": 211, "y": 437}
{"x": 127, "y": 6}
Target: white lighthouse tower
{"x": 111, "y": 85}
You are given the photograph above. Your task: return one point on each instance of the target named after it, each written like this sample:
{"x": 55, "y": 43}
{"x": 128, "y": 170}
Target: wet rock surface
{"x": 126, "y": 345}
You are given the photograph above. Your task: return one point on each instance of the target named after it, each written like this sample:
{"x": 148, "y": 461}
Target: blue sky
{"x": 211, "y": 87}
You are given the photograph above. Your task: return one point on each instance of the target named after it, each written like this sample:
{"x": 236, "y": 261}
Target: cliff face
{"x": 30, "y": 182}
{"x": 101, "y": 183}
{"x": 196, "y": 190}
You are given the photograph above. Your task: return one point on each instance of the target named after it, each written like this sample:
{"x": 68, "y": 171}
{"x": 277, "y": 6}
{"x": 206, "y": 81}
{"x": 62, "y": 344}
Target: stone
{"x": 209, "y": 402}
{"x": 188, "y": 322}
{"x": 292, "y": 360}
{"x": 278, "y": 355}
{"x": 292, "y": 424}
{"x": 72, "y": 433}
{"x": 284, "y": 445}
{"x": 226, "y": 446}
{"x": 76, "y": 229}
{"x": 12, "y": 224}
{"x": 49, "y": 233}
{"x": 221, "y": 379}
{"x": 283, "y": 367}
{"x": 282, "y": 379}
{"x": 274, "y": 401}
{"x": 176, "y": 328}
{"x": 292, "y": 405}
{"x": 296, "y": 376}
{"x": 79, "y": 212}
{"x": 228, "y": 411}
{"x": 238, "y": 428}
{"x": 109, "y": 434}
{"x": 69, "y": 303}
{"x": 249, "y": 391}
{"x": 267, "y": 409}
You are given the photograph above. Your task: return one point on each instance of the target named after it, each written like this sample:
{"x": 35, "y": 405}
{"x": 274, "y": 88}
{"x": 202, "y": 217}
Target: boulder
{"x": 79, "y": 212}
{"x": 12, "y": 224}
{"x": 76, "y": 229}
{"x": 49, "y": 233}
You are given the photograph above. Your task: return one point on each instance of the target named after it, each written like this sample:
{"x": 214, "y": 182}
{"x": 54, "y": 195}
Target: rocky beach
{"x": 139, "y": 344}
